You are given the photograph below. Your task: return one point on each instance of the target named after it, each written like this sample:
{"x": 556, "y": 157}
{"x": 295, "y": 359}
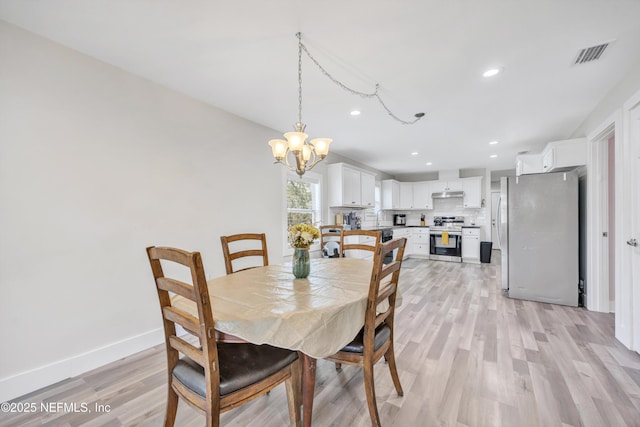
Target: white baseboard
{"x": 612, "y": 306}
{"x": 42, "y": 376}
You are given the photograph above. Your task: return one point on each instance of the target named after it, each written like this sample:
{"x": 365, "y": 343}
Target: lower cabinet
{"x": 404, "y": 232}
{"x": 471, "y": 245}
{"x": 420, "y": 242}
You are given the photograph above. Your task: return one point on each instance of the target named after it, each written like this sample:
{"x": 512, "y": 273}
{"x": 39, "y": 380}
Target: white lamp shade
{"x": 296, "y": 140}
{"x": 279, "y": 148}
{"x": 321, "y": 146}
{"x": 306, "y": 152}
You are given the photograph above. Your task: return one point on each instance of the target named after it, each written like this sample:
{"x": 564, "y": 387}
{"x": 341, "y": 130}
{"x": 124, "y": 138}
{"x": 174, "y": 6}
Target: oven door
{"x": 452, "y": 248}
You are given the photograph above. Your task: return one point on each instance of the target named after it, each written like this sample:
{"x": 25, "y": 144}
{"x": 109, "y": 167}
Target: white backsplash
{"x": 441, "y": 207}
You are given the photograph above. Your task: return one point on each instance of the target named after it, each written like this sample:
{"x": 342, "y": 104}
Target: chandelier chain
{"x": 299, "y": 78}
{"x": 373, "y": 94}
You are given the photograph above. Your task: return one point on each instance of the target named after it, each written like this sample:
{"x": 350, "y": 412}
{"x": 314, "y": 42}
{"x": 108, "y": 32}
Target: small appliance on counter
{"x": 399, "y": 219}
{"x": 350, "y": 221}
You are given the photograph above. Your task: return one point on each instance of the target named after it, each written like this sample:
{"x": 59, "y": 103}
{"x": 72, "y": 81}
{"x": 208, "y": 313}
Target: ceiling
{"x": 427, "y": 56}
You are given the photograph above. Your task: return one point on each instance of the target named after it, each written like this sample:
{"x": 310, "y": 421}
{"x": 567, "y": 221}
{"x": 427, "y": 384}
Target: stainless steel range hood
{"x": 447, "y": 194}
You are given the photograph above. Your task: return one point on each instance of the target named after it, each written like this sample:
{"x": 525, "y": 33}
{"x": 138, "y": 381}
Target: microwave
{"x": 399, "y": 219}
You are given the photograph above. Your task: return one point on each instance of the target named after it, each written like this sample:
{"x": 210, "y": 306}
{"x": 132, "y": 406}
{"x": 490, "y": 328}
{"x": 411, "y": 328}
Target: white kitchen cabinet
{"x": 368, "y": 189}
{"x": 471, "y": 245}
{"x": 350, "y": 187}
{"x": 390, "y": 194}
{"x": 420, "y": 242}
{"x": 528, "y": 164}
{"x": 406, "y": 233}
{"x": 564, "y": 155}
{"x": 450, "y": 185}
{"x": 472, "y": 188}
{"x": 406, "y": 195}
{"x": 422, "y": 195}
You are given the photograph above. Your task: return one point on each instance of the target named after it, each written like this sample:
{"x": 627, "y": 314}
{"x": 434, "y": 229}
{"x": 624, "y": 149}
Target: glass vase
{"x": 301, "y": 264}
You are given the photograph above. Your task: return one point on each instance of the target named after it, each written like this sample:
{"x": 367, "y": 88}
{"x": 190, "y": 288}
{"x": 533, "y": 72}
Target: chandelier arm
{"x": 375, "y": 93}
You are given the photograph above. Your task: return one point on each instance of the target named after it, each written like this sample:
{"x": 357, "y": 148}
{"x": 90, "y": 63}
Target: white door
{"x": 633, "y": 239}
{"x": 494, "y": 221}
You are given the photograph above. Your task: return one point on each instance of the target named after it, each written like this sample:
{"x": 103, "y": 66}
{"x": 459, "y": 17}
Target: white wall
{"x": 95, "y": 165}
{"x": 612, "y": 102}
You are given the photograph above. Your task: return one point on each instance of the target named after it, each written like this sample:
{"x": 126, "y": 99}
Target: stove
{"x": 447, "y": 223}
{"x": 445, "y": 238}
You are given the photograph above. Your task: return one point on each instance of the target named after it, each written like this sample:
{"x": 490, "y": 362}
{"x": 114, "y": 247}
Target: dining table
{"x": 316, "y": 316}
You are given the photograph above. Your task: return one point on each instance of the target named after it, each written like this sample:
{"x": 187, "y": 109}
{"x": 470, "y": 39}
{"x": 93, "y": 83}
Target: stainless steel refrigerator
{"x": 538, "y": 233}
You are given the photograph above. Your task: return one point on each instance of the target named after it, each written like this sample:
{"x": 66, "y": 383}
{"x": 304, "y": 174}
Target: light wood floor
{"x": 467, "y": 356}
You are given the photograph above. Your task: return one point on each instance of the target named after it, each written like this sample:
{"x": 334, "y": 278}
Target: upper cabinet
{"x": 422, "y": 195}
{"x": 417, "y": 195}
{"x": 528, "y": 164}
{"x": 367, "y": 189}
{"x": 350, "y": 186}
{"x": 451, "y": 185}
{"x": 406, "y": 195}
{"x": 564, "y": 155}
{"x": 557, "y": 156}
{"x": 472, "y": 188}
{"x": 390, "y": 194}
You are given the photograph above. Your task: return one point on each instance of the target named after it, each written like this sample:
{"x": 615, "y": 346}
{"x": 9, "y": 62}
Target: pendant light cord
{"x": 374, "y": 94}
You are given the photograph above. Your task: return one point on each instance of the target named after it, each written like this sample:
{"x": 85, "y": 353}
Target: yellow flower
{"x": 302, "y": 235}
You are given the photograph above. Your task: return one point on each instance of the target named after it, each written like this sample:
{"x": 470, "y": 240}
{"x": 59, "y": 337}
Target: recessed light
{"x": 428, "y": 163}
{"x": 493, "y": 156}
{"x": 493, "y": 142}
{"x": 355, "y": 113}
{"x": 490, "y": 73}
{"x": 415, "y": 153}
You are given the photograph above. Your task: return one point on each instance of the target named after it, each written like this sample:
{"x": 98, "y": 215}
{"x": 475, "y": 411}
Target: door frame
{"x": 597, "y": 285}
{"x": 630, "y": 335}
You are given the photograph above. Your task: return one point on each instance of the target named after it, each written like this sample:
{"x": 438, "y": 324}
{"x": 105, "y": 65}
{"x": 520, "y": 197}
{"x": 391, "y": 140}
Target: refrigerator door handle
{"x": 499, "y": 221}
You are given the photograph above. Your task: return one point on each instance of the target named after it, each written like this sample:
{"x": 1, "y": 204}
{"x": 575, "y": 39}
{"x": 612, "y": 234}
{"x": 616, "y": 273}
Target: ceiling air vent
{"x": 590, "y": 54}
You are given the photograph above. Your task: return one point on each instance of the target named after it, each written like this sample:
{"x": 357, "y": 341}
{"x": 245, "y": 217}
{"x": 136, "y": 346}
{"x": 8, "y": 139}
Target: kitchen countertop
{"x": 470, "y": 226}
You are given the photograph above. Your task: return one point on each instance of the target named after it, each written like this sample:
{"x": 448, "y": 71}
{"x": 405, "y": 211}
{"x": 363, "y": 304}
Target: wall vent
{"x": 590, "y": 54}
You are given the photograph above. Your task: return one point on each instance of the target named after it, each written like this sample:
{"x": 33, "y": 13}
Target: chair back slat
{"x": 188, "y": 322}
{"x": 187, "y": 349}
{"x": 344, "y": 246}
{"x": 231, "y": 255}
{"x": 176, "y": 287}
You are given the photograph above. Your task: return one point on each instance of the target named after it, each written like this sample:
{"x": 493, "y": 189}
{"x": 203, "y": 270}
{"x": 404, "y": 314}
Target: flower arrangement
{"x": 301, "y": 236}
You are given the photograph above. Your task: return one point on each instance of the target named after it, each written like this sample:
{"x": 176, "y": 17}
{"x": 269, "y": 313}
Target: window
{"x": 303, "y": 200}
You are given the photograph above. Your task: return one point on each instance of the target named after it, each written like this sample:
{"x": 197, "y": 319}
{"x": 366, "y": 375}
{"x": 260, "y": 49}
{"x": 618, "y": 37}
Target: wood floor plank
{"x": 467, "y": 356}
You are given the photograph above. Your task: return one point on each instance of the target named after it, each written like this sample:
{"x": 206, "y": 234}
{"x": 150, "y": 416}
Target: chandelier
{"x": 306, "y": 153}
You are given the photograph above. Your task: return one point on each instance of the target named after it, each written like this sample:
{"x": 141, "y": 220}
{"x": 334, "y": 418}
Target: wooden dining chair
{"x": 244, "y": 245}
{"x": 330, "y": 233}
{"x": 213, "y": 377}
{"x": 345, "y": 244}
{"x": 375, "y": 339}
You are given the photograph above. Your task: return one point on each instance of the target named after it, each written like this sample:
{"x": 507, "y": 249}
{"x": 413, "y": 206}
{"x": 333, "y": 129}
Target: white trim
{"x": 629, "y": 305}
{"x": 597, "y": 280}
{"x": 34, "y": 379}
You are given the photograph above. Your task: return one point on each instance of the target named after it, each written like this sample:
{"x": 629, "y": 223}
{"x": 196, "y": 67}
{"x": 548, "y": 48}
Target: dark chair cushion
{"x": 383, "y": 332}
{"x": 241, "y": 365}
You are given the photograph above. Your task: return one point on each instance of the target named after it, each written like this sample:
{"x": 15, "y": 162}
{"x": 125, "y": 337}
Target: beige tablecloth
{"x": 318, "y": 315}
